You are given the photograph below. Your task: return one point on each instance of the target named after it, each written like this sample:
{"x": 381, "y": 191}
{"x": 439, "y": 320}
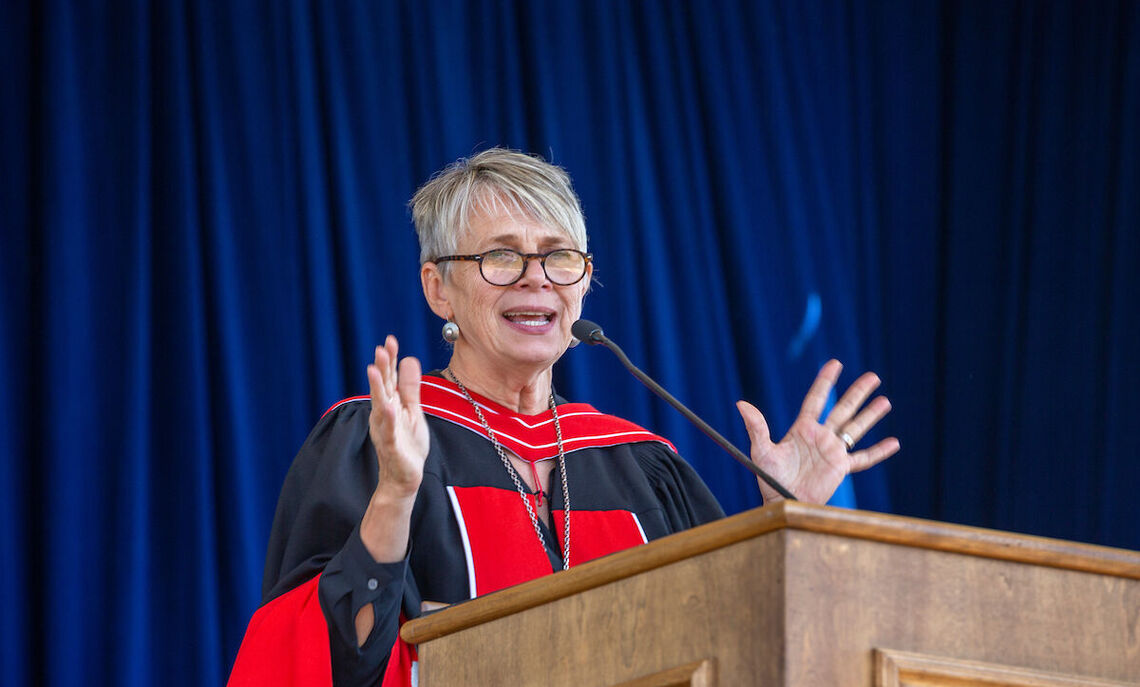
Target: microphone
{"x": 591, "y": 333}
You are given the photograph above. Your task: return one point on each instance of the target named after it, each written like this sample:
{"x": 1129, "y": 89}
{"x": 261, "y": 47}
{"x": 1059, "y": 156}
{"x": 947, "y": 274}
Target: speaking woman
{"x": 449, "y": 485}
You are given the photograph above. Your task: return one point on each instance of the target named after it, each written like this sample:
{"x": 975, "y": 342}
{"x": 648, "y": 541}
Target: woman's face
{"x": 524, "y": 325}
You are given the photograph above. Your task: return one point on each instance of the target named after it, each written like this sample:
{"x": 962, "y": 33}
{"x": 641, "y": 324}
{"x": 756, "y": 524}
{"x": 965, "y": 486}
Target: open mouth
{"x": 529, "y": 318}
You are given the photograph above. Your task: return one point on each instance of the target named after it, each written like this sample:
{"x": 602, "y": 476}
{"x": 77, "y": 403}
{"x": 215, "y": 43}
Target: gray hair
{"x": 494, "y": 180}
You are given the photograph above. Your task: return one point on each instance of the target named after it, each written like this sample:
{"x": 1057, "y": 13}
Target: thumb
{"x": 755, "y": 423}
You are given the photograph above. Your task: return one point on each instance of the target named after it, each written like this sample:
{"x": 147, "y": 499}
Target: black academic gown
{"x": 470, "y": 532}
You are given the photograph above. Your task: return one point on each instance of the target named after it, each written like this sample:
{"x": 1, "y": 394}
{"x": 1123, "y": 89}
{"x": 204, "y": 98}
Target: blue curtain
{"x": 205, "y": 234}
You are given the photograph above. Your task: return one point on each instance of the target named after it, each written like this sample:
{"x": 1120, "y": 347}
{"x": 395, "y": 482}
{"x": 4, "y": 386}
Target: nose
{"x": 533, "y": 273}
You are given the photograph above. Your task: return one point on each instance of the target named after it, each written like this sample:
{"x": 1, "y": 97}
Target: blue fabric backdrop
{"x": 204, "y": 235}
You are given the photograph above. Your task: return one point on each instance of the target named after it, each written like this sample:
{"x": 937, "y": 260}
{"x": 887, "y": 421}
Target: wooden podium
{"x": 795, "y": 594}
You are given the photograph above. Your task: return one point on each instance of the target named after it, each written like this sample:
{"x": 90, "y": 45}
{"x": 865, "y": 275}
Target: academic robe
{"x": 470, "y": 532}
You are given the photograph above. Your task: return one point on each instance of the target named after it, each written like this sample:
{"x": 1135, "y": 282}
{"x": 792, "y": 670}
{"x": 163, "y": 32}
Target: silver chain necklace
{"x": 515, "y": 475}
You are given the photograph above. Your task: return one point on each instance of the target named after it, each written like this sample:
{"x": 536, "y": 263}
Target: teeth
{"x": 528, "y": 318}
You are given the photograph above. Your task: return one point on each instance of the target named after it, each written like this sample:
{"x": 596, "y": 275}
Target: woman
{"x": 450, "y": 485}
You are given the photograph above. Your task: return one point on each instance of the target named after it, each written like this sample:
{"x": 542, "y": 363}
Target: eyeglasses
{"x": 503, "y": 267}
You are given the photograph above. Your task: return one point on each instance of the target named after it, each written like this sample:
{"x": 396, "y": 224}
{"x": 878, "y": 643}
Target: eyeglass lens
{"x": 503, "y": 267}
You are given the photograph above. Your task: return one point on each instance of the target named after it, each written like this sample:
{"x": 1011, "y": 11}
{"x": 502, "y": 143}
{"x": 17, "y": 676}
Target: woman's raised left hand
{"x": 813, "y": 457}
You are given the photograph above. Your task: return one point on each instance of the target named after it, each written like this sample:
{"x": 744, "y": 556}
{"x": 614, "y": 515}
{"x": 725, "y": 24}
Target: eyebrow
{"x": 552, "y": 241}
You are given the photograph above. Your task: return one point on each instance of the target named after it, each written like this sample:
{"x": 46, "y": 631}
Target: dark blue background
{"x": 205, "y": 234}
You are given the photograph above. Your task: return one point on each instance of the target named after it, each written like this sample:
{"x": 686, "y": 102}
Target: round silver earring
{"x": 450, "y": 332}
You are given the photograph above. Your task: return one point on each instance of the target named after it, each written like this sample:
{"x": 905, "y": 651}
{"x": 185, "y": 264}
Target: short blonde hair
{"x": 494, "y": 179}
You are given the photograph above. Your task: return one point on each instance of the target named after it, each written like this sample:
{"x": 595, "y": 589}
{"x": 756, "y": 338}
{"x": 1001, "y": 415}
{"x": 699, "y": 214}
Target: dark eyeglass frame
{"x": 527, "y": 257}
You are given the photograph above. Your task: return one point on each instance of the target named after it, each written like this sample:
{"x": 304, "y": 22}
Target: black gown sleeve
{"x": 685, "y": 499}
{"x": 351, "y": 580}
{"x": 316, "y": 530}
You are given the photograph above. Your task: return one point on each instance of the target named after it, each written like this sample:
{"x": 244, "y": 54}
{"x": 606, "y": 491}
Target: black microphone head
{"x": 587, "y": 331}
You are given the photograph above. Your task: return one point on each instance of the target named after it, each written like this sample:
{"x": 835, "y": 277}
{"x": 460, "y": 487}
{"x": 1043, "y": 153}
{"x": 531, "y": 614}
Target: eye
{"x": 501, "y": 257}
{"x": 564, "y": 258}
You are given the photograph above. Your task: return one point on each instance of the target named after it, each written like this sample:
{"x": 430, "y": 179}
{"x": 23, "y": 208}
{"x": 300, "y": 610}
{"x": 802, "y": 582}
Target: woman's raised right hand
{"x": 397, "y": 425}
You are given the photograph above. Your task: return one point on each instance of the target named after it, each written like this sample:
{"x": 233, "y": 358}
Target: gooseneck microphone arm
{"x": 591, "y": 333}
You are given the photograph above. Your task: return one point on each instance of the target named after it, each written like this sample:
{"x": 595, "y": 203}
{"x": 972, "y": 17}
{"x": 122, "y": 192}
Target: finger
{"x": 392, "y": 348}
{"x": 820, "y": 389}
{"x": 849, "y": 404}
{"x": 380, "y": 359}
{"x": 858, "y": 426}
{"x": 409, "y": 383}
{"x": 376, "y": 375}
{"x": 756, "y": 425}
{"x": 868, "y": 457}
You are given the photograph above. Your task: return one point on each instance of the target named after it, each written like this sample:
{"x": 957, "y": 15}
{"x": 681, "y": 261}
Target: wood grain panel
{"x": 847, "y": 596}
{"x": 905, "y": 669}
{"x": 696, "y": 674}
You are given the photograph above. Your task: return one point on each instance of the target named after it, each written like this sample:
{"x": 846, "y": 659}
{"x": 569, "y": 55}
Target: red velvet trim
{"x": 399, "y": 670}
{"x": 503, "y": 546}
{"x": 350, "y": 399}
{"x": 532, "y": 437}
{"x": 504, "y": 549}
{"x": 596, "y": 533}
{"x": 287, "y": 645}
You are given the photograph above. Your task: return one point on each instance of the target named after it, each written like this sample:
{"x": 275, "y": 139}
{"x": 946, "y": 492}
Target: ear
{"x": 589, "y": 279}
{"x": 434, "y": 292}
{"x": 585, "y": 285}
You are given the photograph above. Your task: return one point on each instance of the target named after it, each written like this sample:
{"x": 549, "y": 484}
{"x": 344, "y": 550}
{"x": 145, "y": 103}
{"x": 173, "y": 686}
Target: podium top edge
{"x": 783, "y": 515}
